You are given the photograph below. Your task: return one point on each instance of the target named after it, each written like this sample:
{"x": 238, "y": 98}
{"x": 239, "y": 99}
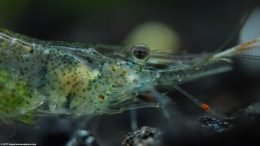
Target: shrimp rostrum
{"x": 38, "y": 76}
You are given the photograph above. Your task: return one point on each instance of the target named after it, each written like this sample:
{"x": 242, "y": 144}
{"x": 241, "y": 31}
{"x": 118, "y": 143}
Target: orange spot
{"x": 246, "y": 45}
{"x": 149, "y": 98}
{"x": 205, "y": 107}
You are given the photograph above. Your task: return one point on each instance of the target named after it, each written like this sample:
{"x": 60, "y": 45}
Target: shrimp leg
{"x": 202, "y": 105}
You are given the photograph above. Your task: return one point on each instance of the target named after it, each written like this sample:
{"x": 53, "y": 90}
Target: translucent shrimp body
{"x": 37, "y": 76}
{"x": 68, "y": 80}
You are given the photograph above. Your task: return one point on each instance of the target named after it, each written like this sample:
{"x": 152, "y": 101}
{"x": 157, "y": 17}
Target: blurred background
{"x": 170, "y": 25}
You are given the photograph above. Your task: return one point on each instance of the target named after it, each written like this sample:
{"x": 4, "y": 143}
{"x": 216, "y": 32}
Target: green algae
{"x": 14, "y": 98}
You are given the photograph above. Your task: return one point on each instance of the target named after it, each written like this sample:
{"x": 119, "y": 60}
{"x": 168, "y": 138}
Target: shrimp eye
{"x": 140, "y": 51}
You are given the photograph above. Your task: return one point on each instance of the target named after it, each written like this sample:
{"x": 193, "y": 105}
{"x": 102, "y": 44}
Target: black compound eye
{"x": 140, "y": 51}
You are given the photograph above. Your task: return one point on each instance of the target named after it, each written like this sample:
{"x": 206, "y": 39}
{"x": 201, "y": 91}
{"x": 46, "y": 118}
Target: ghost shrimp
{"x": 61, "y": 78}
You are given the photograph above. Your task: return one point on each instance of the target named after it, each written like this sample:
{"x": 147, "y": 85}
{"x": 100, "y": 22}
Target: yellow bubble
{"x": 158, "y": 36}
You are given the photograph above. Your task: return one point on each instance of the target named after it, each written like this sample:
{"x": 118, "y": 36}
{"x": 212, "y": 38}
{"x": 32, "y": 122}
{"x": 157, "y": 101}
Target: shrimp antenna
{"x": 233, "y": 33}
{"x": 247, "y": 11}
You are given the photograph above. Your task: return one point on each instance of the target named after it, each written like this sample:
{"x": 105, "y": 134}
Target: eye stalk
{"x": 139, "y": 53}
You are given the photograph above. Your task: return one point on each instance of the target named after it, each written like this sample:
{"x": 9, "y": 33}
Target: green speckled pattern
{"x": 68, "y": 80}
{"x": 61, "y": 78}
